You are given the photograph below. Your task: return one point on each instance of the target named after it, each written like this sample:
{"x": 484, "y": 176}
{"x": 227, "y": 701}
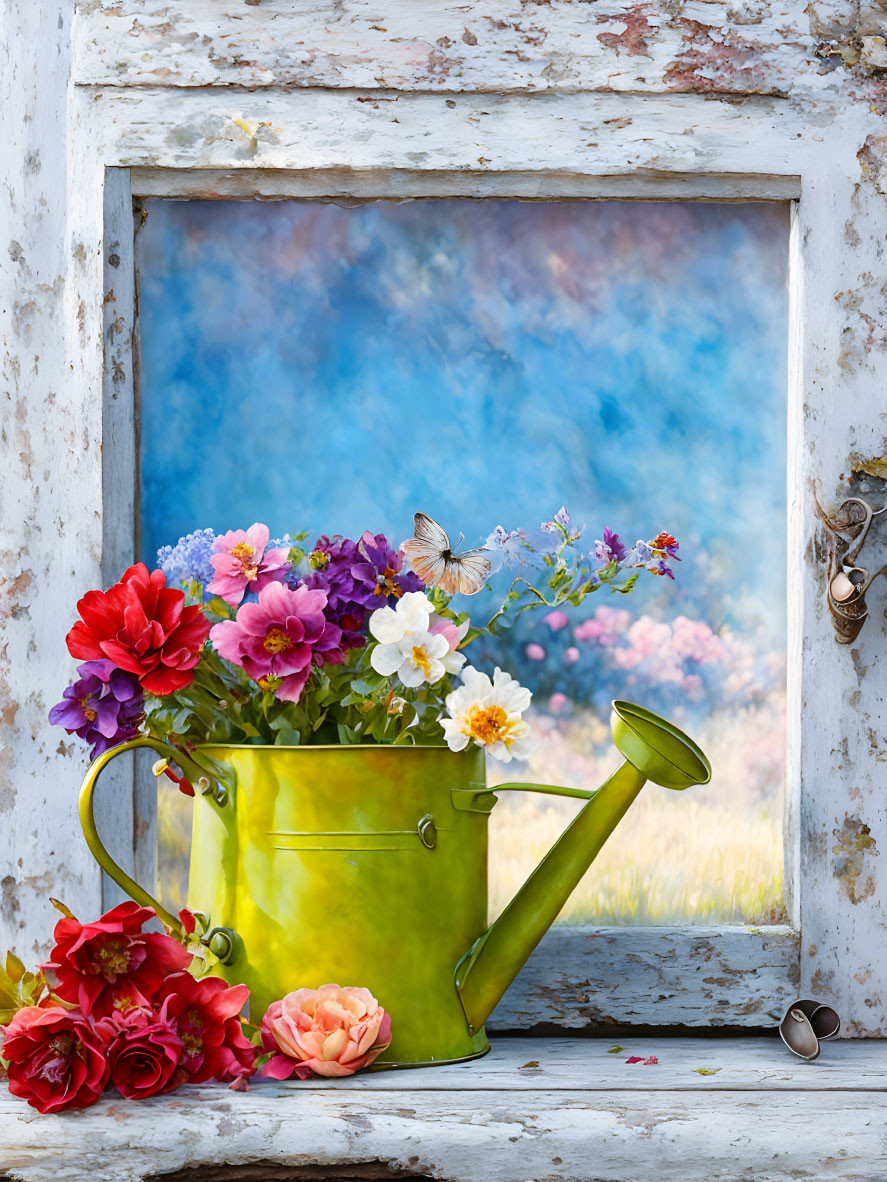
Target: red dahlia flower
{"x": 56, "y": 1059}
{"x": 144, "y": 627}
{"x": 204, "y": 1015}
{"x": 112, "y": 965}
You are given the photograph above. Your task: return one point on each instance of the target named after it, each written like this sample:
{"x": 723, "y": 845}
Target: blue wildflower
{"x": 189, "y": 559}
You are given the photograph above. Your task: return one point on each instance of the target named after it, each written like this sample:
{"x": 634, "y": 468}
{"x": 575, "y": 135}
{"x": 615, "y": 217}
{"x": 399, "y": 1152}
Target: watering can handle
{"x": 481, "y": 799}
{"x": 90, "y": 832}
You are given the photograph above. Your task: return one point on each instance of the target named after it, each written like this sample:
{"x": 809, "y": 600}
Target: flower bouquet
{"x": 239, "y": 639}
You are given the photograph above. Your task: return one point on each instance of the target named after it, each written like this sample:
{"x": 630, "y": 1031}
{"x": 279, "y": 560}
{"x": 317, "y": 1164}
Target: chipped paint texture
{"x": 555, "y": 1110}
{"x": 603, "y": 979}
{"x": 698, "y": 98}
{"x": 50, "y": 486}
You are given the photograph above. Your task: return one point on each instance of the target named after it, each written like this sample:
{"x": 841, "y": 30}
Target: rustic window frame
{"x": 760, "y": 964}
{"x": 151, "y": 112}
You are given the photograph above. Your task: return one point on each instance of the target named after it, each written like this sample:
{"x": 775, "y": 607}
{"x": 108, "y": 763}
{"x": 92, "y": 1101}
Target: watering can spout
{"x": 654, "y": 750}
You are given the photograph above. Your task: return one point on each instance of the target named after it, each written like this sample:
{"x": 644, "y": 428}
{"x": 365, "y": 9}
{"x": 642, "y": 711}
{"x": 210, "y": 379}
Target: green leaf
{"x": 615, "y": 1050}
{"x": 706, "y": 1070}
{"x": 59, "y": 906}
{"x": 14, "y": 967}
{"x": 287, "y": 736}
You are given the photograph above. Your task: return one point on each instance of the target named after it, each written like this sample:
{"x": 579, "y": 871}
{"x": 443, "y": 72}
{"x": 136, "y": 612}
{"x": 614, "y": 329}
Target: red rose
{"x": 204, "y": 1014}
{"x": 144, "y": 1053}
{"x": 56, "y": 1059}
{"x": 144, "y": 627}
{"x": 112, "y": 965}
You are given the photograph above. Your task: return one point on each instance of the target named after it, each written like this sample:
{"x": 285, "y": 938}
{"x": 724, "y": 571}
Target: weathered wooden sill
{"x": 552, "y": 1109}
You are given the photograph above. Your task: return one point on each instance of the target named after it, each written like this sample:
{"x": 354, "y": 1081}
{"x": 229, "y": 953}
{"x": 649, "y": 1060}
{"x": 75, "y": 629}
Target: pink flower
{"x": 242, "y": 562}
{"x": 278, "y": 639}
{"x": 454, "y": 634}
{"x": 330, "y": 1031}
{"x": 557, "y": 702}
{"x": 56, "y": 1059}
{"x": 535, "y": 652}
{"x": 556, "y": 620}
{"x": 571, "y": 655}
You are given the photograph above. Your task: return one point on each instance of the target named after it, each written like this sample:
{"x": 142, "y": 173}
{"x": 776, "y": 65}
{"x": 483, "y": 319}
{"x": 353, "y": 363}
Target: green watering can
{"x": 367, "y": 865}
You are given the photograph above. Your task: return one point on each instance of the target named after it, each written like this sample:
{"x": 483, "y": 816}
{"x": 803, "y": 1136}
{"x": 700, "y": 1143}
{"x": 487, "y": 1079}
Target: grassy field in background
{"x": 706, "y": 856}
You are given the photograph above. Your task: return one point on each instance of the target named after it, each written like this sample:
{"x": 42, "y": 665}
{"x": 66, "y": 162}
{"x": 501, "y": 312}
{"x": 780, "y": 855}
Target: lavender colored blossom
{"x": 189, "y": 559}
{"x": 610, "y": 549}
{"x": 560, "y": 526}
{"x": 378, "y": 575}
{"x": 331, "y": 563}
{"x": 511, "y": 549}
{"x": 104, "y": 706}
{"x": 640, "y": 554}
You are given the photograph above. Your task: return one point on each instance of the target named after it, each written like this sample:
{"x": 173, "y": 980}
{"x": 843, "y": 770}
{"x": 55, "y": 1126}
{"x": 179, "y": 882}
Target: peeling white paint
{"x": 648, "y": 100}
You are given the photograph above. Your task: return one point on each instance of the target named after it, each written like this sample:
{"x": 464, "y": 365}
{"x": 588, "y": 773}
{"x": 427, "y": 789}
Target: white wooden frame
{"x": 648, "y": 101}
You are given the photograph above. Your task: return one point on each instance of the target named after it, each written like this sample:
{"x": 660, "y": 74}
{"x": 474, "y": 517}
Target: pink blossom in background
{"x": 556, "y": 620}
{"x": 572, "y": 654}
{"x": 535, "y": 652}
{"x": 557, "y": 702}
{"x": 695, "y": 640}
{"x": 606, "y": 626}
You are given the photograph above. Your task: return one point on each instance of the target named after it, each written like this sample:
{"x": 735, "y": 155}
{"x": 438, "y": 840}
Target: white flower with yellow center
{"x": 489, "y": 714}
{"x": 407, "y": 646}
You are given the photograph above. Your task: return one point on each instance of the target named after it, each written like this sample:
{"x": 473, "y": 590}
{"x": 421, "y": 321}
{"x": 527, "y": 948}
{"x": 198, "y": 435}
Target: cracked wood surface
{"x": 701, "y": 46}
{"x": 533, "y": 1108}
{"x": 590, "y": 978}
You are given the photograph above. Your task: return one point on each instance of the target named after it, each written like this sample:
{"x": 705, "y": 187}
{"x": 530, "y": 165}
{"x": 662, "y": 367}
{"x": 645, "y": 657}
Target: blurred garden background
{"x": 335, "y": 368}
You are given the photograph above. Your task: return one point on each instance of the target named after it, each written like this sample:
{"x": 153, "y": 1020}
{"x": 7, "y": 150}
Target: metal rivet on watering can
{"x": 224, "y": 943}
{"x": 428, "y": 832}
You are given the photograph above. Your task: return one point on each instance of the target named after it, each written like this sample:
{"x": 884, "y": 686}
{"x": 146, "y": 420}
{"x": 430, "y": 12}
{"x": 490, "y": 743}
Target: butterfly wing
{"x": 426, "y": 550}
{"x": 466, "y": 573}
{"x": 429, "y": 564}
{"x": 430, "y": 533}
{"x": 430, "y": 555}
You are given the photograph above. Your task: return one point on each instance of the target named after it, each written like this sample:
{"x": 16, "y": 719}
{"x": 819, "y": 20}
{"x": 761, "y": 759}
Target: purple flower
{"x": 610, "y": 549}
{"x": 562, "y": 517}
{"x": 331, "y": 561}
{"x": 104, "y": 706}
{"x": 378, "y": 578}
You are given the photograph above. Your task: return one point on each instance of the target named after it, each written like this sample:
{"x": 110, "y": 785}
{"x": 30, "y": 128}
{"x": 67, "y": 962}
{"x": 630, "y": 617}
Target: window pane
{"x": 331, "y": 367}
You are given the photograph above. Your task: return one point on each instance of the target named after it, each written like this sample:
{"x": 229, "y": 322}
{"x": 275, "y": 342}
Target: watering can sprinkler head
{"x": 653, "y": 750}
{"x": 656, "y": 749}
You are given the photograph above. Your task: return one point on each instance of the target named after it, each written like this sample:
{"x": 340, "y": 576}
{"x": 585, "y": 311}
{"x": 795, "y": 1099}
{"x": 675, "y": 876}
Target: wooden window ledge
{"x": 540, "y": 1109}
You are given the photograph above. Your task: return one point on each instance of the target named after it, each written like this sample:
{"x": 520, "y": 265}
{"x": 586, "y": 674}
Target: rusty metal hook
{"x": 847, "y": 582}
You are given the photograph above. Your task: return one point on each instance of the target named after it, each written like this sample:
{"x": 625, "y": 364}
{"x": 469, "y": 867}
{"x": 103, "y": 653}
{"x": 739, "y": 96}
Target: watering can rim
{"x": 625, "y": 716}
{"x": 326, "y": 747}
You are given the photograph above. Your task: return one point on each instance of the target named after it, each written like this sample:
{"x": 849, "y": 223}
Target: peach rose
{"x": 329, "y": 1031}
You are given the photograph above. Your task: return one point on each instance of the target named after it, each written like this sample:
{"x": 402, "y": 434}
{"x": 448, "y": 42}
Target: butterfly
{"x": 431, "y": 556}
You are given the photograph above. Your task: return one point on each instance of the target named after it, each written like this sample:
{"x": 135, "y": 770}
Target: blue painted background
{"x": 335, "y": 368}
